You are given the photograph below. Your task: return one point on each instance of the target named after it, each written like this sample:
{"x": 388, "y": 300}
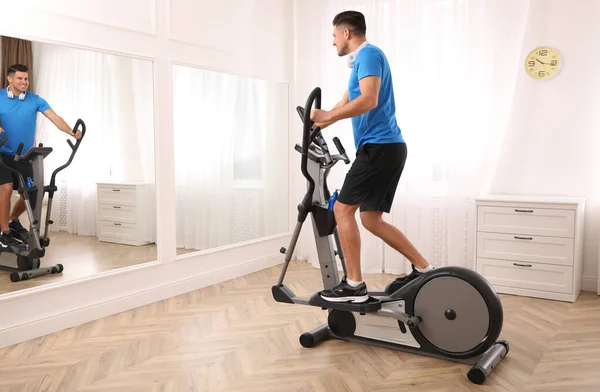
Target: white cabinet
{"x": 531, "y": 245}
{"x": 126, "y": 213}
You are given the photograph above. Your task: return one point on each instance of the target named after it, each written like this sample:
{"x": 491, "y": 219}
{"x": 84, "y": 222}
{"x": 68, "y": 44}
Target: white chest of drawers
{"x": 126, "y": 213}
{"x": 531, "y": 245}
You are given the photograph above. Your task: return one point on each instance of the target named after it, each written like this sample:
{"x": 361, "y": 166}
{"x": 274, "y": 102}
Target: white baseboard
{"x": 57, "y": 322}
{"x": 589, "y": 283}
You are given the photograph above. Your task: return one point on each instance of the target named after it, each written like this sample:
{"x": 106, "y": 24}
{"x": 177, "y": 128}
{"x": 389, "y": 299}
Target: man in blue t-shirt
{"x": 18, "y": 115}
{"x": 380, "y": 156}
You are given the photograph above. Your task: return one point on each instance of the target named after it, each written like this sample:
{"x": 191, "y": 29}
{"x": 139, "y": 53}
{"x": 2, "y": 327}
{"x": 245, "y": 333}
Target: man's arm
{"x": 58, "y": 121}
{"x": 367, "y": 100}
{"x": 344, "y": 101}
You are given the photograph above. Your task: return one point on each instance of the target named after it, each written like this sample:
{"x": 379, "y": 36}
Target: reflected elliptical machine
{"x": 34, "y": 248}
{"x": 450, "y": 313}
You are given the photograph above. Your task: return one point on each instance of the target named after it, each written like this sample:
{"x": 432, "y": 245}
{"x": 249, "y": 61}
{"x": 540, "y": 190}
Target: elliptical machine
{"x": 33, "y": 248}
{"x": 450, "y": 313}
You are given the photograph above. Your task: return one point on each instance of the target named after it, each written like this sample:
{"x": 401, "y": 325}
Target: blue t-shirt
{"x": 18, "y": 119}
{"x": 379, "y": 124}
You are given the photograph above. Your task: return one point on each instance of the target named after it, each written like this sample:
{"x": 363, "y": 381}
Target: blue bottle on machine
{"x": 333, "y": 199}
{"x": 29, "y": 182}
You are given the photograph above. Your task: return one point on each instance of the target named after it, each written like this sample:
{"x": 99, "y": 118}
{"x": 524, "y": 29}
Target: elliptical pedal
{"x": 369, "y": 306}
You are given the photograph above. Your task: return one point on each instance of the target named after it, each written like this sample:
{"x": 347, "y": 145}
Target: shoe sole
{"x": 347, "y": 299}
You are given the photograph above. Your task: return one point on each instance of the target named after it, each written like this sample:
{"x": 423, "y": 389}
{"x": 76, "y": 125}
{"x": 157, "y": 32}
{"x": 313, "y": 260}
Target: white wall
{"x": 552, "y": 143}
{"x": 224, "y": 36}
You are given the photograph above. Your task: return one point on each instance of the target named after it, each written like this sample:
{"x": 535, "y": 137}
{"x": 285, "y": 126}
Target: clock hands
{"x": 540, "y": 62}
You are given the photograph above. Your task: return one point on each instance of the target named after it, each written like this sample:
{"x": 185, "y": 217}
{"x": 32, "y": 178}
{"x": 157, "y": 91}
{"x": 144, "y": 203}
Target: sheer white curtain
{"x": 113, "y": 96}
{"x": 230, "y": 157}
{"x": 454, "y": 66}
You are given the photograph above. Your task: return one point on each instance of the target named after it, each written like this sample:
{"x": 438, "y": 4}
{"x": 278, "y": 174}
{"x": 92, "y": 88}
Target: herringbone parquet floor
{"x": 234, "y": 337}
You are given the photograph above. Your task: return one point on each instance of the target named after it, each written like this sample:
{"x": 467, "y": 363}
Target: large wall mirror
{"x": 103, "y": 209}
{"x": 231, "y": 158}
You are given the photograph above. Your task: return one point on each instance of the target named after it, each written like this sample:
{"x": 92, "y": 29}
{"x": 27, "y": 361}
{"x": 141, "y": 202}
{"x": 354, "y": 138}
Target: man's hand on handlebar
{"x": 321, "y": 118}
{"x": 77, "y": 134}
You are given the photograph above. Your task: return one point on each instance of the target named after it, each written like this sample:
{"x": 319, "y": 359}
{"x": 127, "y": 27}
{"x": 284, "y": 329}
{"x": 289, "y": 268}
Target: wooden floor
{"x": 234, "y": 337}
{"x": 81, "y": 257}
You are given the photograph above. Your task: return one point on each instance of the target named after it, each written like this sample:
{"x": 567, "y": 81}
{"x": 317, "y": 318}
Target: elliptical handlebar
{"x": 74, "y": 148}
{"x": 310, "y": 135}
{"x": 307, "y": 136}
{"x": 77, "y": 124}
{"x": 314, "y": 97}
{"x": 320, "y": 152}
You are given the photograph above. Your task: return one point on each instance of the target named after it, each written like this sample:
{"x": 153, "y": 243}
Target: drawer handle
{"x": 523, "y": 238}
{"x": 116, "y": 190}
{"x": 522, "y": 265}
{"x": 517, "y": 210}
{"x": 116, "y": 207}
{"x": 117, "y": 224}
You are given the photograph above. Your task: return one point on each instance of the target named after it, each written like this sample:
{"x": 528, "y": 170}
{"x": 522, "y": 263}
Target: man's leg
{"x": 351, "y": 288}
{"x": 388, "y": 161}
{"x": 18, "y": 209}
{"x": 373, "y": 221}
{"x": 6, "y": 189}
{"x": 356, "y": 188}
{"x": 349, "y": 238}
{"x": 5, "y": 194}
{"x": 18, "y": 231}
{"x": 6, "y": 239}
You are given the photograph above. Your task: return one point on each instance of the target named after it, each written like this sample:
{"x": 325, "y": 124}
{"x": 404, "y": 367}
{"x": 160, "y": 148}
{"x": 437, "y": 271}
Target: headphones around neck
{"x": 11, "y": 95}
{"x": 352, "y": 56}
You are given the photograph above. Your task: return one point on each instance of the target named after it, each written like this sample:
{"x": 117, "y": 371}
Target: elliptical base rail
{"x": 481, "y": 366}
{"x": 18, "y": 275}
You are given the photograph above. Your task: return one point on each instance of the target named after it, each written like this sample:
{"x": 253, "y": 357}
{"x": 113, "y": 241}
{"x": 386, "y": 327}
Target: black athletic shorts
{"x": 373, "y": 178}
{"x": 23, "y": 166}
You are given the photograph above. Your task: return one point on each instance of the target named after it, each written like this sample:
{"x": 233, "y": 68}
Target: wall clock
{"x": 542, "y": 63}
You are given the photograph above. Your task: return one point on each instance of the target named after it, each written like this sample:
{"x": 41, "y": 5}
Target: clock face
{"x": 542, "y": 63}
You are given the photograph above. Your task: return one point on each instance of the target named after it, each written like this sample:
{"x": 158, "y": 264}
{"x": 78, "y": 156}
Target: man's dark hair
{"x": 16, "y": 67}
{"x": 353, "y": 19}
